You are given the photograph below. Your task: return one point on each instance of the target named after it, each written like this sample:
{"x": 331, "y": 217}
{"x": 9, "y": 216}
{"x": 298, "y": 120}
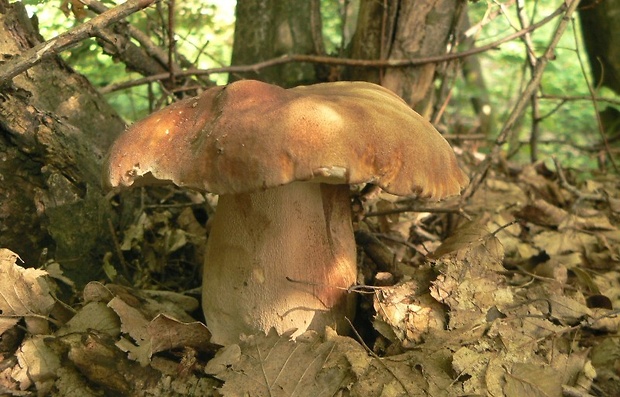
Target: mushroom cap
{"x": 250, "y": 136}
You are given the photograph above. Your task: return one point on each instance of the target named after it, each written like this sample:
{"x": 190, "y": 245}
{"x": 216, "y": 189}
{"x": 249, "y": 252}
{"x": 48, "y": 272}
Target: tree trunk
{"x": 405, "y": 29}
{"x": 600, "y": 24}
{"x": 54, "y": 130}
{"x": 266, "y": 29}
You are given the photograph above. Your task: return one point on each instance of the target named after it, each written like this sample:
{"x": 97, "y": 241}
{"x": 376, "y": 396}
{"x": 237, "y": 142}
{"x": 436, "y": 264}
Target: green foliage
{"x": 203, "y": 38}
{"x": 566, "y": 124}
{"x": 332, "y": 14}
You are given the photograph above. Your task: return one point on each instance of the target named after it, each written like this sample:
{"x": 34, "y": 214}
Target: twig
{"x": 580, "y": 98}
{"x": 465, "y": 137}
{"x": 537, "y": 73}
{"x": 69, "y": 39}
{"x": 503, "y": 227}
{"x": 455, "y": 209}
{"x": 524, "y": 98}
{"x": 489, "y": 16}
{"x": 601, "y": 128}
{"x": 379, "y": 359}
{"x": 564, "y": 183}
{"x": 399, "y": 240}
{"x": 357, "y": 288}
{"x": 117, "y": 248}
{"x": 531, "y": 59}
{"x": 171, "y": 41}
{"x": 334, "y": 60}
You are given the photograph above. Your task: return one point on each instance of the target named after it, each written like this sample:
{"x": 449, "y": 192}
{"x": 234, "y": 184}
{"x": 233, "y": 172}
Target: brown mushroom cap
{"x": 250, "y": 136}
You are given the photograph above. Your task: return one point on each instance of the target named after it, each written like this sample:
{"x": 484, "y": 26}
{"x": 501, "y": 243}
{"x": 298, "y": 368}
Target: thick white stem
{"x": 280, "y": 258}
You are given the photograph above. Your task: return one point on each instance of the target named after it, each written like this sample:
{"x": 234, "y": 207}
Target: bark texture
{"x": 400, "y": 30}
{"x": 600, "y": 23}
{"x": 266, "y": 29}
{"x": 54, "y": 131}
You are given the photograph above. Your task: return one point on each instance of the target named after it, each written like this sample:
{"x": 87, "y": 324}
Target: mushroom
{"x": 281, "y": 251}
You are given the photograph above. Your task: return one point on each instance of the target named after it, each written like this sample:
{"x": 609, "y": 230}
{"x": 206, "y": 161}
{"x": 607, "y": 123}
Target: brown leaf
{"x": 273, "y": 365}
{"x": 37, "y": 362}
{"x": 409, "y": 314}
{"x": 93, "y": 316}
{"x": 466, "y": 235}
{"x": 542, "y": 213}
{"x": 533, "y": 381}
{"x": 168, "y": 333}
{"x": 24, "y": 293}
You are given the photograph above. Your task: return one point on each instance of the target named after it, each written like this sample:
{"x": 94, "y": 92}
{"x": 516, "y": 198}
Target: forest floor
{"x": 520, "y": 300}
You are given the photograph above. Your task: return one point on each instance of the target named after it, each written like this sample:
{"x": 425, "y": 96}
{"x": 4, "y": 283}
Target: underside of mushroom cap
{"x": 250, "y": 136}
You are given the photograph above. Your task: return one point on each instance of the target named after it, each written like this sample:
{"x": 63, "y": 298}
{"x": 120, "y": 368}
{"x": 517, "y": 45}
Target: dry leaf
{"x": 568, "y": 241}
{"x": 24, "y": 293}
{"x": 97, "y": 292}
{"x": 167, "y": 333}
{"x": 134, "y": 324}
{"x": 223, "y": 360}
{"x": 273, "y": 365}
{"x": 542, "y": 213}
{"x": 407, "y": 312}
{"x": 93, "y": 316}
{"x": 37, "y": 363}
{"x": 533, "y": 381}
{"x": 7, "y": 323}
{"x": 465, "y": 236}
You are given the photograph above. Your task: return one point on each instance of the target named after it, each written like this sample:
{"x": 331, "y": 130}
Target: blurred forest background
{"x": 522, "y": 89}
{"x": 203, "y": 36}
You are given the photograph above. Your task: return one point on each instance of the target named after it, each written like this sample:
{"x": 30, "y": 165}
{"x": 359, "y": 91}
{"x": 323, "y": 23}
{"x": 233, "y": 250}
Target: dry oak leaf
{"x": 37, "y": 363}
{"x": 152, "y": 336}
{"x": 24, "y": 293}
{"x": 274, "y": 365}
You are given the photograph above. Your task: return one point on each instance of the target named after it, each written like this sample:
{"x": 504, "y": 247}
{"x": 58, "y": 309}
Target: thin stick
{"x": 358, "y": 288}
{"x": 117, "y": 248}
{"x": 580, "y": 98}
{"x": 523, "y": 100}
{"x": 564, "y": 183}
{"x": 145, "y": 42}
{"x": 171, "y": 41}
{"x": 379, "y": 359}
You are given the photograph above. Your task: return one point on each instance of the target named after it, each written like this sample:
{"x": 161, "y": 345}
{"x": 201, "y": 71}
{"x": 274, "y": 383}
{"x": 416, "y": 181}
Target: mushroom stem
{"x": 282, "y": 258}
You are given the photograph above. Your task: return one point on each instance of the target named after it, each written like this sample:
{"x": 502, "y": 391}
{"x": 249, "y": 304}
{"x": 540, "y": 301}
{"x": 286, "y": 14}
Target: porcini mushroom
{"x": 281, "y": 251}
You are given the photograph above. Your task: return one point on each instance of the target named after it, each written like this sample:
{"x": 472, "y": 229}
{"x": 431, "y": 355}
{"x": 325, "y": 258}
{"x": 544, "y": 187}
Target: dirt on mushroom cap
{"x": 250, "y": 135}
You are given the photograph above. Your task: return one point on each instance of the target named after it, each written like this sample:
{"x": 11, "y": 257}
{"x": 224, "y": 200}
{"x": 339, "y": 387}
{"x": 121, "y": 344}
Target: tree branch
{"x": 145, "y": 42}
{"x": 565, "y": 98}
{"x": 537, "y": 73}
{"x": 381, "y": 63}
{"x": 524, "y": 98}
{"x": 69, "y": 39}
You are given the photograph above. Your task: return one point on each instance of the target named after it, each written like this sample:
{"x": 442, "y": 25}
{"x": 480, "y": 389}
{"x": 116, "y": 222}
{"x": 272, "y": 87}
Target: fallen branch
{"x": 578, "y": 193}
